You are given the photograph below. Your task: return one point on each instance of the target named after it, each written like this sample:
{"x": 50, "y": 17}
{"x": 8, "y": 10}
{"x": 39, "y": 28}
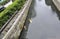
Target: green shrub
{"x": 10, "y": 10}
{"x": 4, "y": 2}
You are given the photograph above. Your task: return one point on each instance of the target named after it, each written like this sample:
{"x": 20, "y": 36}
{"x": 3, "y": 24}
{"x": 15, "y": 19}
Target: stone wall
{"x": 17, "y": 26}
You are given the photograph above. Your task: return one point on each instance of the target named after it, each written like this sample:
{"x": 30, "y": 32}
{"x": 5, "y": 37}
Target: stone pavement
{"x": 57, "y": 4}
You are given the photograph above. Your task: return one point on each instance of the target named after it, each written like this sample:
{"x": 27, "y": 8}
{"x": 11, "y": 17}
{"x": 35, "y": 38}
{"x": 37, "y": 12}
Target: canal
{"x": 45, "y": 21}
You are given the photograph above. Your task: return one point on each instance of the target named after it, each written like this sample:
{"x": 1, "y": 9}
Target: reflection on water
{"x": 49, "y": 2}
{"x": 32, "y": 11}
{"x": 46, "y": 21}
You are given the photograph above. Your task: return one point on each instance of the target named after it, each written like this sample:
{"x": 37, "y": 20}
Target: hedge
{"x": 10, "y": 10}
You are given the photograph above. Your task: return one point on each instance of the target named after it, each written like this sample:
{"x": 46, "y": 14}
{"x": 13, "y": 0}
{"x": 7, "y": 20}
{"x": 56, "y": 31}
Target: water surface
{"x": 45, "y": 21}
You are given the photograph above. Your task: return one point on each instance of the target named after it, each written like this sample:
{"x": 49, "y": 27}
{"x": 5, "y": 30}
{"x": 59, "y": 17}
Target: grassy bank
{"x": 10, "y": 10}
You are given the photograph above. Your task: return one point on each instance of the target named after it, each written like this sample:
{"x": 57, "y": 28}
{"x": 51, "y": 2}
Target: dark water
{"x": 45, "y": 21}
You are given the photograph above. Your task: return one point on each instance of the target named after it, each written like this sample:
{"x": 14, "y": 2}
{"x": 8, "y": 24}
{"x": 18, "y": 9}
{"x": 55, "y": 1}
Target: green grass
{"x": 10, "y": 10}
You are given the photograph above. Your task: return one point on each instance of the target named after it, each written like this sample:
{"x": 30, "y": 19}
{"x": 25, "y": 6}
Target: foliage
{"x": 10, "y": 10}
{"x": 4, "y": 2}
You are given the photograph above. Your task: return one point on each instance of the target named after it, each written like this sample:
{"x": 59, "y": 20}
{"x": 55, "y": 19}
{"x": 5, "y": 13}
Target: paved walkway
{"x": 58, "y": 0}
{"x": 57, "y": 4}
